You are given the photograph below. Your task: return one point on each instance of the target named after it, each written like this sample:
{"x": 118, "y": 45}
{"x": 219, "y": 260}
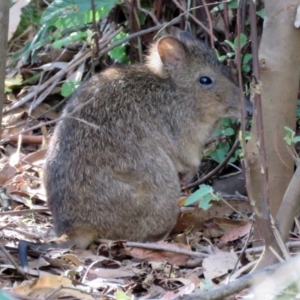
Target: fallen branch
{"x": 23, "y": 211}
{"x": 26, "y": 139}
{"x": 276, "y": 273}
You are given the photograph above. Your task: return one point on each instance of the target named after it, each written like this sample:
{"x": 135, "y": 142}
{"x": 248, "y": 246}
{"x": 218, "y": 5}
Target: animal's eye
{"x": 206, "y": 81}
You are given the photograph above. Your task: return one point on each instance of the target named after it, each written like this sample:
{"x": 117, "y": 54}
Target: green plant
{"x": 203, "y": 197}
{"x": 69, "y": 87}
{"x": 64, "y": 14}
{"x": 63, "y": 22}
{"x": 290, "y": 137}
{"x": 242, "y": 39}
{"x": 30, "y": 17}
{"x": 119, "y": 53}
{"x": 234, "y": 4}
{"x": 227, "y": 128}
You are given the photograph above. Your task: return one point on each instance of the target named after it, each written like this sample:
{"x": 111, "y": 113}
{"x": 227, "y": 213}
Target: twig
{"x": 243, "y": 251}
{"x": 226, "y": 23}
{"x": 278, "y": 273}
{"x": 26, "y": 139}
{"x": 211, "y": 33}
{"x": 11, "y": 259}
{"x": 96, "y": 33}
{"x": 217, "y": 169}
{"x": 235, "y": 210}
{"x": 193, "y": 18}
{"x": 136, "y": 34}
{"x": 168, "y": 248}
{"x": 259, "y": 249}
{"x": 139, "y": 7}
{"x": 73, "y": 289}
{"x": 23, "y": 212}
{"x": 79, "y": 59}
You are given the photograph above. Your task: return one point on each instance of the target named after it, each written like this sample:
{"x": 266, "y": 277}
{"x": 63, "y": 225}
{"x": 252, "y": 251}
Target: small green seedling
{"x": 227, "y": 128}
{"x": 203, "y": 197}
{"x": 242, "y": 39}
{"x": 69, "y": 88}
{"x": 290, "y": 137}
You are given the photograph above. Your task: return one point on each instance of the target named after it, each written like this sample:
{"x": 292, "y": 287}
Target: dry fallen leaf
{"x": 219, "y": 263}
{"x": 54, "y": 286}
{"x": 236, "y": 233}
{"x": 7, "y": 172}
{"x": 159, "y": 255}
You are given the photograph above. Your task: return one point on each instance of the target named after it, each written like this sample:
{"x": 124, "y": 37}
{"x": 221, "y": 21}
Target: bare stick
{"x": 23, "y": 211}
{"x": 10, "y": 258}
{"x": 168, "y": 248}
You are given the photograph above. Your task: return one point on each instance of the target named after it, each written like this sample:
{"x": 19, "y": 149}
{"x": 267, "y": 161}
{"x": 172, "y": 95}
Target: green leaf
{"x": 204, "y": 196}
{"x": 220, "y": 153}
{"x": 243, "y": 41}
{"x": 288, "y": 140}
{"x": 296, "y": 139}
{"x": 230, "y": 54}
{"x": 261, "y": 13}
{"x": 120, "y": 295}
{"x": 222, "y": 58}
{"x": 234, "y": 4}
{"x": 69, "y": 88}
{"x": 247, "y": 58}
{"x": 205, "y": 202}
{"x": 73, "y": 37}
{"x": 198, "y": 195}
{"x": 228, "y": 131}
{"x": 217, "y": 132}
{"x": 288, "y": 129}
{"x": 230, "y": 44}
{"x": 231, "y": 5}
{"x": 69, "y": 13}
{"x": 119, "y": 53}
{"x": 246, "y": 68}
{"x": 225, "y": 122}
{"x": 232, "y": 160}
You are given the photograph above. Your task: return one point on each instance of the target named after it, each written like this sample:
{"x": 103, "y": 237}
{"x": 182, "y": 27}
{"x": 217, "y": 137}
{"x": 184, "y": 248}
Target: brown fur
{"x": 112, "y": 167}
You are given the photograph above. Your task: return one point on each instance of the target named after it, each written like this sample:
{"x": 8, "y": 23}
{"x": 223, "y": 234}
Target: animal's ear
{"x": 186, "y": 35}
{"x": 175, "y": 31}
{"x": 172, "y": 52}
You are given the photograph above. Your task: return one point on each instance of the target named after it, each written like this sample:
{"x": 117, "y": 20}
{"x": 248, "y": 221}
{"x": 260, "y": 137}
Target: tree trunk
{"x": 279, "y": 64}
